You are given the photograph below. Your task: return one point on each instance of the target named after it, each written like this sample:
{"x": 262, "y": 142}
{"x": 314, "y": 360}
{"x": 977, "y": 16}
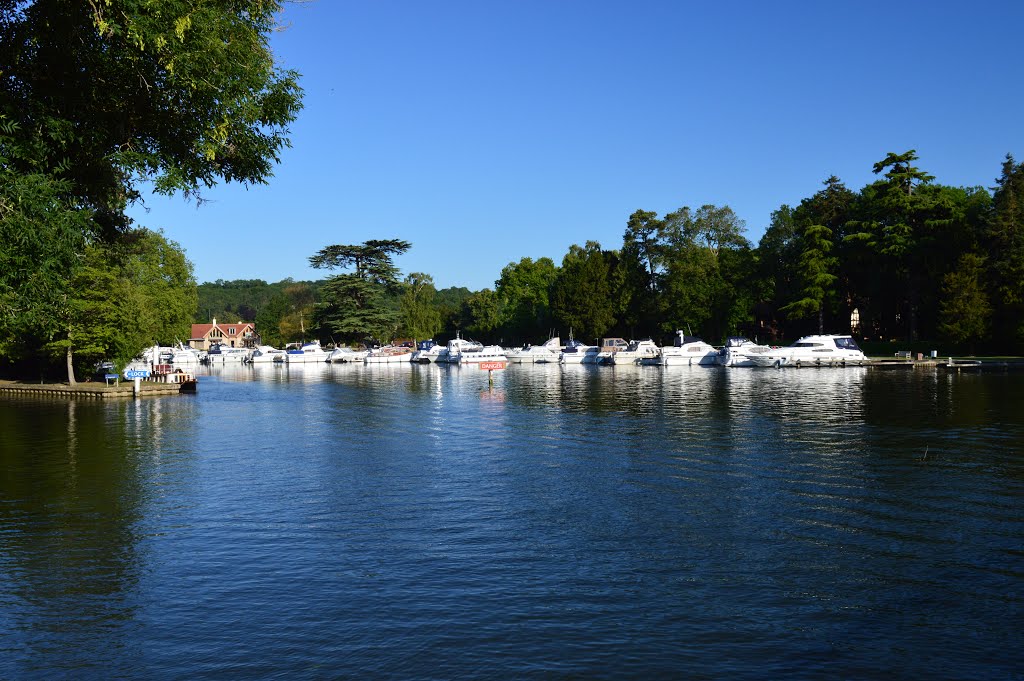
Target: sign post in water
{"x": 491, "y": 367}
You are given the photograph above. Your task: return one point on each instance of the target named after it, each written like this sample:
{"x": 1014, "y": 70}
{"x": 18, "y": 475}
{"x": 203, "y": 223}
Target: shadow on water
{"x": 75, "y": 479}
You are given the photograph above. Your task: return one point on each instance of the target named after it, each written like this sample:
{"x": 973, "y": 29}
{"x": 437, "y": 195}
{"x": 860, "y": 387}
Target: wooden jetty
{"x": 92, "y": 390}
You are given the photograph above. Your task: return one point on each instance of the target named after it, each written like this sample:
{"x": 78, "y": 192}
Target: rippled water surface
{"x": 594, "y": 522}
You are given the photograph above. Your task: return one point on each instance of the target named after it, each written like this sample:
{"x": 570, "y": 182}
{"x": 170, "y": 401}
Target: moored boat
{"x": 817, "y": 350}
{"x": 305, "y": 353}
{"x": 220, "y": 353}
{"x": 740, "y": 351}
{"x": 609, "y": 346}
{"x": 344, "y": 355}
{"x": 265, "y": 354}
{"x": 635, "y": 352}
{"x": 456, "y": 346}
{"x": 486, "y": 353}
{"x": 536, "y": 354}
{"x": 685, "y": 351}
{"x": 388, "y": 354}
{"x": 576, "y": 352}
{"x": 427, "y": 351}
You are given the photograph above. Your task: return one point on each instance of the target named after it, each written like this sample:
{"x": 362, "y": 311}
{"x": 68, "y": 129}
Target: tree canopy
{"x": 360, "y": 305}
{"x": 99, "y": 99}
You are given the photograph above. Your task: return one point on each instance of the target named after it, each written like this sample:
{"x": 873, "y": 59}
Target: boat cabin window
{"x": 847, "y": 344}
{"x": 807, "y": 345}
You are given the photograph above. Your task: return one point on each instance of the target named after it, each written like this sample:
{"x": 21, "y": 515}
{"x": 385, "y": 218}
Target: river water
{"x": 567, "y": 522}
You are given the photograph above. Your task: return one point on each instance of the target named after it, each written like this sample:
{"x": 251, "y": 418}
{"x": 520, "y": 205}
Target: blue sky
{"x": 485, "y": 132}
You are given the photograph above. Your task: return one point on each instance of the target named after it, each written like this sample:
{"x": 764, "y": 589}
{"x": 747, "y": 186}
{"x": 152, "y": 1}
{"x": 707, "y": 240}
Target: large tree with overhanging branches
{"x": 100, "y": 99}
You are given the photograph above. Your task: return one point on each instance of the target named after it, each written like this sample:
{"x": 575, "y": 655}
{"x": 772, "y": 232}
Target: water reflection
{"x": 72, "y": 504}
{"x": 416, "y": 521}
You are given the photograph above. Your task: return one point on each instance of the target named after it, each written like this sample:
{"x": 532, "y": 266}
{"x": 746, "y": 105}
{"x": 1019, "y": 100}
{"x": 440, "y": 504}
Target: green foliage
{"x": 42, "y": 237}
{"x": 775, "y": 282}
{"x": 1004, "y": 239}
{"x": 353, "y": 309}
{"x": 420, "y": 317}
{"x": 360, "y": 306}
{"x": 581, "y": 295}
{"x": 481, "y": 315}
{"x": 266, "y": 304}
{"x": 680, "y": 272}
{"x": 372, "y": 260}
{"x": 162, "y": 276}
{"x": 523, "y": 300}
{"x": 125, "y": 297}
{"x": 965, "y": 308}
{"x": 97, "y": 97}
{"x": 449, "y": 303}
{"x": 816, "y": 267}
{"x": 180, "y": 92}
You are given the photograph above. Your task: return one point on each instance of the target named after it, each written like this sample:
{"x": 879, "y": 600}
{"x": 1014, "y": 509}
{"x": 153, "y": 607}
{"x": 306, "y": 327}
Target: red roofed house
{"x": 238, "y": 335}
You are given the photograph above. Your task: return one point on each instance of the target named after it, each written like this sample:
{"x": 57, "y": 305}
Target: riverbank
{"x": 94, "y": 390}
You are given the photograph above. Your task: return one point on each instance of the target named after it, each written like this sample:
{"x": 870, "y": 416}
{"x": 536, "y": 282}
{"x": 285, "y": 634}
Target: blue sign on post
{"x": 136, "y": 374}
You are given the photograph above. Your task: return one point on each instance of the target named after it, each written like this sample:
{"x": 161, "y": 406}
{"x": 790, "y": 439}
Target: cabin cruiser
{"x": 389, "y": 354}
{"x": 305, "y": 353}
{"x": 180, "y": 354}
{"x": 685, "y": 351}
{"x": 740, "y": 351}
{"x": 576, "y": 351}
{"x": 537, "y": 354}
{"x": 635, "y": 352}
{"x": 344, "y": 355}
{"x": 456, "y": 346}
{"x": 427, "y": 351}
{"x": 609, "y": 346}
{"x": 265, "y": 354}
{"x": 486, "y": 353}
{"x": 220, "y": 353}
{"x": 822, "y": 350}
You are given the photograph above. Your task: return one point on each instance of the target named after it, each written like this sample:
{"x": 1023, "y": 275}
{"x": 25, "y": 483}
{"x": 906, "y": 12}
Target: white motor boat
{"x": 305, "y": 353}
{"x": 575, "y": 352}
{"x": 609, "y": 346}
{"x": 486, "y": 353}
{"x": 635, "y": 352}
{"x": 536, "y": 354}
{"x": 343, "y": 355}
{"x": 456, "y": 346}
{"x": 740, "y": 351}
{"x": 181, "y": 354}
{"x": 265, "y": 354}
{"x": 823, "y": 350}
{"x": 388, "y": 354}
{"x": 428, "y": 351}
{"x": 219, "y": 353}
{"x": 685, "y": 351}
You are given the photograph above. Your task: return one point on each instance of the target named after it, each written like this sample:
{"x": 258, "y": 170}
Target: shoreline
{"x": 92, "y": 390}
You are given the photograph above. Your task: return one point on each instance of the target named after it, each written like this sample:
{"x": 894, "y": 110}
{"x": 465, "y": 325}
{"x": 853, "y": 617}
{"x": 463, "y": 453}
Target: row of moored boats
{"x": 818, "y": 350}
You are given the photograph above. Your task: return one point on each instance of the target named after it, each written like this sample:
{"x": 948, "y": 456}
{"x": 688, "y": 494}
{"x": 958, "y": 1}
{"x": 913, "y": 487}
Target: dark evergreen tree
{"x": 361, "y": 305}
{"x": 1005, "y": 243}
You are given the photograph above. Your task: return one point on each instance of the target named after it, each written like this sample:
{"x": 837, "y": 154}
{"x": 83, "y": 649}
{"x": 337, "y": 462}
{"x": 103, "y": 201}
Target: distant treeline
{"x": 903, "y": 259}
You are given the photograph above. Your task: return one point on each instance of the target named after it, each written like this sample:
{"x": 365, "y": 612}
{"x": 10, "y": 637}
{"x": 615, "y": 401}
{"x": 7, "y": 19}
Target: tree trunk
{"x": 71, "y": 368}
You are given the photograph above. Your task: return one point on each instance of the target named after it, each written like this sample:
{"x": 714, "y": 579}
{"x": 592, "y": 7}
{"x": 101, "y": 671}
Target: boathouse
{"x": 235, "y": 335}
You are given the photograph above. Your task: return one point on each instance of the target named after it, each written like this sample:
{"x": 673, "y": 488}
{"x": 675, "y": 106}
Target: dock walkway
{"x": 93, "y": 390}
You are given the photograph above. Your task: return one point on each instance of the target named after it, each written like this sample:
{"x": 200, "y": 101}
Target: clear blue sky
{"x": 485, "y": 132}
